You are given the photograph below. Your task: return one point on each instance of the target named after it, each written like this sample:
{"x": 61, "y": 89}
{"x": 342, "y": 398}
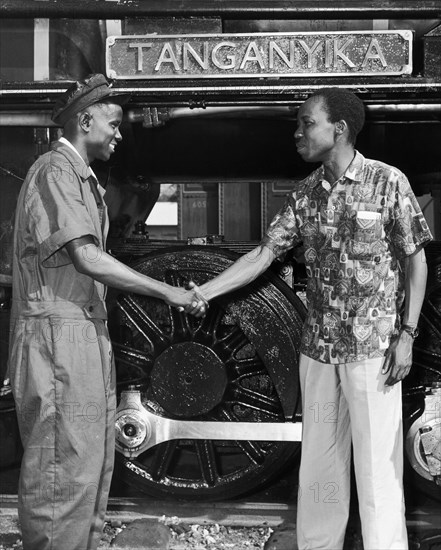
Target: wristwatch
{"x": 413, "y": 331}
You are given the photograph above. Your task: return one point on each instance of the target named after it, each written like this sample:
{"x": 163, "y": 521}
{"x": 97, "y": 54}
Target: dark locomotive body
{"x": 227, "y": 146}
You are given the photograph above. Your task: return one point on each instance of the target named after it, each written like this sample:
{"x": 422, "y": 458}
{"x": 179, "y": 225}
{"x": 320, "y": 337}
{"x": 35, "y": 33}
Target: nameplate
{"x": 261, "y": 55}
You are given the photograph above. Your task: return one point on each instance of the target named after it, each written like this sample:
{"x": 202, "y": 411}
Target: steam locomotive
{"x": 210, "y": 409}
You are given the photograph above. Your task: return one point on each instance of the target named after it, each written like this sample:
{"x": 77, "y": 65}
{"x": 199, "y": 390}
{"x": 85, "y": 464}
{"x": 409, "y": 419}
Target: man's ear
{"x": 84, "y": 121}
{"x": 340, "y": 126}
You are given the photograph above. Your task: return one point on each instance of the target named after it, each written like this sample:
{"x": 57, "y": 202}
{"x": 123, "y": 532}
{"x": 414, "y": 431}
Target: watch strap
{"x": 413, "y": 331}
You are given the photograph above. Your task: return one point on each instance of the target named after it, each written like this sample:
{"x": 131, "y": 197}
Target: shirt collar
{"x": 353, "y": 172}
{"x": 84, "y": 170}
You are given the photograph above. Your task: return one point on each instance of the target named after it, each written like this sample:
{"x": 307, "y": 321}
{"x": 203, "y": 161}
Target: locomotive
{"x": 210, "y": 409}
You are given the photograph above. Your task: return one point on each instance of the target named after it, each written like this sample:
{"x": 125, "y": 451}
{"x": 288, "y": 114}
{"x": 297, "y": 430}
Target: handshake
{"x": 191, "y": 300}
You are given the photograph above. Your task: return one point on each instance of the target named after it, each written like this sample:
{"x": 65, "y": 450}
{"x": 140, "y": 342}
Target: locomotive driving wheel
{"x": 239, "y": 363}
{"x": 422, "y": 391}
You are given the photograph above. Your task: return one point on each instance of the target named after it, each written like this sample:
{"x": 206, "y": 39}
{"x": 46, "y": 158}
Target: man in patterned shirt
{"x": 363, "y": 234}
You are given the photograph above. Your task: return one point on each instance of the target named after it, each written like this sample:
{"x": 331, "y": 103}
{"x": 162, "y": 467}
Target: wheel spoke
{"x": 246, "y": 368}
{"x": 432, "y": 316}
{"x": 133, "y": 366}
{"x": 207, "y": 461}
{"x": 139, "y": 319}
{"x": 181, "y": 326}
{"x": 246, "y": 397}
{"x": 253, "y": 450}
{"x": 210, "y": 323}
{"x": 234, "y": 341}
{"x": 132, "y": 357}
{"x": 425, "y": 359}
{"x": 163, "y": 455}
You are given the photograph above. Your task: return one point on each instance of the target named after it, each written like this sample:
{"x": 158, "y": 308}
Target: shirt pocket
{"x": 366, "y": 243}
{"x": 367, "y": 225}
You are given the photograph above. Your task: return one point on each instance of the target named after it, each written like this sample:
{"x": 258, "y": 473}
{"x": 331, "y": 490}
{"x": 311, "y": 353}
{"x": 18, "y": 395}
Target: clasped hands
{"x": 196, "y": 303}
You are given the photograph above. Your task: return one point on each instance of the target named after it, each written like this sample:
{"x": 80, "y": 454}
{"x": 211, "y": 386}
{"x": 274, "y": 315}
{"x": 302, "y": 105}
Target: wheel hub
{"x": 188, "y": 379}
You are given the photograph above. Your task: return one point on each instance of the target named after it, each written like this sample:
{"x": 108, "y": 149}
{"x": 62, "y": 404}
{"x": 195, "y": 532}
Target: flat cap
{"x": 83, "y": 93}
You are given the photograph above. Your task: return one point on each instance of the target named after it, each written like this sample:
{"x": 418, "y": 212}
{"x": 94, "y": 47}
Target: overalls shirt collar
{"x": 66, "y": 148}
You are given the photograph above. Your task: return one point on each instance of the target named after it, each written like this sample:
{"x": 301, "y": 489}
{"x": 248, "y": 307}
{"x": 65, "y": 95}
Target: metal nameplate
{"x": 362, "y": 53}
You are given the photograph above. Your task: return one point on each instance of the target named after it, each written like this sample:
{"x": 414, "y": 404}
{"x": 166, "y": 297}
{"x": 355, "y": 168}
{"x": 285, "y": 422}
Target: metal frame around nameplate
{"x": 259, "y": 55}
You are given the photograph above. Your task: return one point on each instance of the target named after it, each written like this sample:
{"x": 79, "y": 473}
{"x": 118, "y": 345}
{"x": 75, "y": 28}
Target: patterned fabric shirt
{"x": 355, "y": 234}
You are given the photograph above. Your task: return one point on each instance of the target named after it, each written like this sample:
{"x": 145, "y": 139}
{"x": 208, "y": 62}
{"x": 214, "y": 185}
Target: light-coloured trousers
{"x": 344, "y": 403}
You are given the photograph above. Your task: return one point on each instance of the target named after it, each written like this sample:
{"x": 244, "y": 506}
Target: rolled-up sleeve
{"x": 283, "y": 232}
{"x": 58, "y": 212}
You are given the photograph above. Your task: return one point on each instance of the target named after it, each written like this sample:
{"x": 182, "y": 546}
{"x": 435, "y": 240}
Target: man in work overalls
{"x": 60, "y": 364}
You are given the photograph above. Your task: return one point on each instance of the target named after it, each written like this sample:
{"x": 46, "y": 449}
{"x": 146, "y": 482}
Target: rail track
{"x": 274, "y": 508}
{"x": 423, "y": 521}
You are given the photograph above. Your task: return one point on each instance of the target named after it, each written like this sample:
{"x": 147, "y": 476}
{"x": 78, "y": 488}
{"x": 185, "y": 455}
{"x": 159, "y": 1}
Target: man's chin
{"x": 308, "y": 157}
{"x": 105, "y": 156}
{"x": 303, "y": 154}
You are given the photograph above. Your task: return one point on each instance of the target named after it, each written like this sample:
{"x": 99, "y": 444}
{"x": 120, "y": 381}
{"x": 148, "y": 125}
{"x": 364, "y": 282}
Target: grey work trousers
{"x": 63, "y": 381}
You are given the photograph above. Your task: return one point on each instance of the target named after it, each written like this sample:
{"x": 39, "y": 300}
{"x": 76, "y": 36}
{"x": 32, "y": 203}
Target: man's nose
{"x": 118, "y": 135}
{"x": 298, "y": 133}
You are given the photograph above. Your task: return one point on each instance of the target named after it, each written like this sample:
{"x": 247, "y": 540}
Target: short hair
{"x": 341, "y": 104}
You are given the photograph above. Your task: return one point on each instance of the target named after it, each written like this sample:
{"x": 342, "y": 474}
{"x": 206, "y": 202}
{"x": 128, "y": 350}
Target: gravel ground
{"x": 215, "y": 536}
{"x": 184, "y": 536}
